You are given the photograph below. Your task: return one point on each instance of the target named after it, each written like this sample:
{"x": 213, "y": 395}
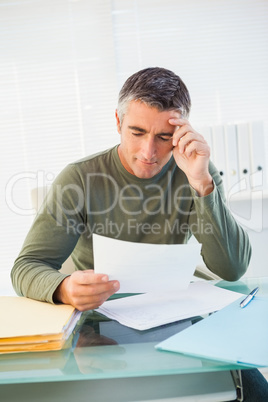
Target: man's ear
{"x": 118, "y": 125}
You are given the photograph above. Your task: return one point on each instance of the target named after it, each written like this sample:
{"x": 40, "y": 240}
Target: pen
{"x": 248, "y": 299}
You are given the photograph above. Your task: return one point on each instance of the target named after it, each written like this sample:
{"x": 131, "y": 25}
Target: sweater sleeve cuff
{"x": 207, "y": 201}
{"x": 53, "y": 283}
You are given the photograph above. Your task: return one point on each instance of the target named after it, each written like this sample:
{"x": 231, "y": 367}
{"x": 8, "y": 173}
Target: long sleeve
{"x": 49, "y": 243}
{"x": 226, "y": 249}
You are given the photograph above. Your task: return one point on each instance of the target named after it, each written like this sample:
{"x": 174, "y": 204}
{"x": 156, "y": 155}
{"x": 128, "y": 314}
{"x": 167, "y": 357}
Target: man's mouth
{"x": 149, "y": 163}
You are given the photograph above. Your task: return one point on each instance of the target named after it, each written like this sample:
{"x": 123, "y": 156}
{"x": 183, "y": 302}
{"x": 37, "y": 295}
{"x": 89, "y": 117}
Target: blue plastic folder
{"x": 233, "y": 334}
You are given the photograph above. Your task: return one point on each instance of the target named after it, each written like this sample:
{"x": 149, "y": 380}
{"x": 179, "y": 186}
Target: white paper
{"x": 142, "y": 267}
{"x": 150, "y": 310}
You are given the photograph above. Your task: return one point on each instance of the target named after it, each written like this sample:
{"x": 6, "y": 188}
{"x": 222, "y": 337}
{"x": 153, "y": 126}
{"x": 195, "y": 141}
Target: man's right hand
{"x": 85, "y": 290}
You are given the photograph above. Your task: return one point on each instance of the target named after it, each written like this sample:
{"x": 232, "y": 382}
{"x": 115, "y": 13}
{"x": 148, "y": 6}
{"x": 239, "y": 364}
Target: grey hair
{"x": 156, "y": 87}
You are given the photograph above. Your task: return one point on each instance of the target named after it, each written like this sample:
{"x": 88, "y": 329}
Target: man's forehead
{"x": 148, "y": 118}
{"x": 138, "y": 107}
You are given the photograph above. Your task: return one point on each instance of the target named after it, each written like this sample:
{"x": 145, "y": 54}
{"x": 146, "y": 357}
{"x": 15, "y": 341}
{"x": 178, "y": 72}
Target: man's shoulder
{"x": 96, "y": 156}
{"x": 95, "y": 161}
{"x": 104, "y": 162}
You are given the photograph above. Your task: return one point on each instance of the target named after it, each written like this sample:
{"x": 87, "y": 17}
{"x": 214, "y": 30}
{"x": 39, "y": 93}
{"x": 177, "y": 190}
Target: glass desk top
{"x": 104, "y": 349}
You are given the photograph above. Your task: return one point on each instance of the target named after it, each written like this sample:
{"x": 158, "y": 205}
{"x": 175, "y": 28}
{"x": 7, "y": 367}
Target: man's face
{"x": 146, "y": 139}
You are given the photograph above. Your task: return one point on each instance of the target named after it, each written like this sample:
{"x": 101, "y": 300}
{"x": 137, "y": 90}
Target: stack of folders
{"x": 28, "y": 325}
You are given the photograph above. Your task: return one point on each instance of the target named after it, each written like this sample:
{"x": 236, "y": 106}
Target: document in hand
{"x": 234, "y": 334}
{"x": 151, "y": 310}
{"x": 29, "y": 325}
{"x": 142, "y": 267}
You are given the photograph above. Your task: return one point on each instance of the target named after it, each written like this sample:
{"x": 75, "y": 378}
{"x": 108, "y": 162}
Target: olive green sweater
{"x": 97, "y": 194}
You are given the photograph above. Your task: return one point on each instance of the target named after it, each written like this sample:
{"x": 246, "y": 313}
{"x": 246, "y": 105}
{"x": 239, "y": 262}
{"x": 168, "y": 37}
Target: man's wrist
{"x": 204, "y": 187}
{"x": 60, "y": 293}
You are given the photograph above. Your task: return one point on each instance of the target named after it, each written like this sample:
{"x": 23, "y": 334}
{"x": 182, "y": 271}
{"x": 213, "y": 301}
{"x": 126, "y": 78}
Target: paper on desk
{"x": 151, "y": 310}
{"x": 142, "y": 267}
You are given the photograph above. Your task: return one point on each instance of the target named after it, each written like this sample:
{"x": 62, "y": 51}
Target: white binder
{"x": 233, "y": 176}
{"x": 244, "y": 156}
{"x": 257, "y": 147}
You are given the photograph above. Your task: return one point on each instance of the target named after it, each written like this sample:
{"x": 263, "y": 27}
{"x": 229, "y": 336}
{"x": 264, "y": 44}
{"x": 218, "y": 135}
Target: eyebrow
{"x": 142, "y": 130}
{"x": 135, "y": 128}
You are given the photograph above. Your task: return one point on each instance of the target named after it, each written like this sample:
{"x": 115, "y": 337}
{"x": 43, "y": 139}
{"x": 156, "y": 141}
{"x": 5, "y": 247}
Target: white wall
{"x": 63, "y": 61}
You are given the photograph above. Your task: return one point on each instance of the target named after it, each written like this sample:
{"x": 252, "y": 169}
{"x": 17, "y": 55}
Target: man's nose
{"x": 149, "y": 148}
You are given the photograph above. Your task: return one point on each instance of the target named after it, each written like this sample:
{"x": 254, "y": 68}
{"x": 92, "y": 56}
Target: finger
{"x": 197, "y": 147}
{"x": 90, "y": 296}
{"x": 90, "y": 302}
{"x": 187, "y": 139}
{"x": 186, "y": 134}
{"x": 178, "y": 121}
{"x": 93, "y": 289}
{"x": 89, "y": 277}
{"x": 180, "y": 132}
{"x": 100, "y": 288}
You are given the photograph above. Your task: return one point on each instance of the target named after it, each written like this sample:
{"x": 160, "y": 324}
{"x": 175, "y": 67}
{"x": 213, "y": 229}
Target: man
{"x": 157, "y": 186}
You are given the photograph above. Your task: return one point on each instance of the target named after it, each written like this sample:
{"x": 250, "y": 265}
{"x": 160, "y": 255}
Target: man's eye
{"x": 164, "y": 138}
{"x": 137, "y": 134}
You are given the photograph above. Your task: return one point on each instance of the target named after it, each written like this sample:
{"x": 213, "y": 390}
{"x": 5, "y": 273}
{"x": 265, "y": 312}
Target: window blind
{"x": 57, "y": 99}
{"x": 62, "y": 63}
{"x": 219, "y": 48}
